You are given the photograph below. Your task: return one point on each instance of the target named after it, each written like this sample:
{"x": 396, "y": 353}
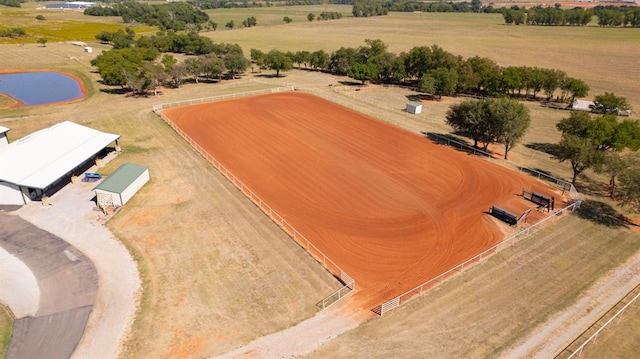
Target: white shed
{"x": 88, "y": 49}
{"x": 414, "y": 107}
{"x": 123, "y": 183}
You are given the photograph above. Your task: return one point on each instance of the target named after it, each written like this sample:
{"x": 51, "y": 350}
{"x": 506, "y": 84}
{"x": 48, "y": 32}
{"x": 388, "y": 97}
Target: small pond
{"x": 40, "y": 88}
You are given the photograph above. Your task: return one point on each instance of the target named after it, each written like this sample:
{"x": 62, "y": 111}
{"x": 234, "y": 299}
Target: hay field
{"x": 214, "y": 267}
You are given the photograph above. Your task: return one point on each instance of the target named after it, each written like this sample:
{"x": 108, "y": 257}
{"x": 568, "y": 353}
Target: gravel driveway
{"x": 72, "y": 217}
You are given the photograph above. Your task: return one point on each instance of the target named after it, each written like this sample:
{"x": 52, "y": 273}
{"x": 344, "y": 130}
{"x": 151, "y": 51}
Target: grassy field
{"x": 272, "y": 16}
{"x": 605, "y": 58}
{"x": 218, "y": 273}
{"x": 481, "y": 313}
{"x": 6, "y": 326}
{"x": 59, "y": 25}
{"x": 617, "y": 341}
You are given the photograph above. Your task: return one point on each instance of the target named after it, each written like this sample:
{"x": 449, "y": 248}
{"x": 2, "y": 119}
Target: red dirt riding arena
{"x": 391, "y": 208}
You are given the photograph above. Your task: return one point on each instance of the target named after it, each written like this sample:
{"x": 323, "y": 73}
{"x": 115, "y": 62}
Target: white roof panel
{"x": 4, "y": 129}
{"x": 41, "y": 158}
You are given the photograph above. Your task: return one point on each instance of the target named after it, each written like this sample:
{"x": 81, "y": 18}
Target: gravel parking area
{"x": 72, "y": 217}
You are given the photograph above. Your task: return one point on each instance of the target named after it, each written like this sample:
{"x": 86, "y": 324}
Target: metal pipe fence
{"x": 440, "y": 278}
{"x": 314, "y": 251}
{"x": 162, "y": 106}
{"x": 569, "y": 354}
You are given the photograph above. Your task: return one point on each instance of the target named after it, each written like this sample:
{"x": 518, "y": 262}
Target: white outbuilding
{"x": 44, "y": 161}
{"x": 414, "y": 107}
{"x": 118, "y": 188}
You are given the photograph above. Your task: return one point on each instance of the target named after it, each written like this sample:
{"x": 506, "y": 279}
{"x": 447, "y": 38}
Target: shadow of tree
{"x": 549, "y": 148}
{"x": 350, "y": 83}
{"x": 423, "y": 97}
{"x": 601, "y": 213}
{"x": 591, "y": 187}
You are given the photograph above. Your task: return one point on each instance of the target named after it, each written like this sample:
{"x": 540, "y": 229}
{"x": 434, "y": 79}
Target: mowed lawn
{"x": 218, "y": 273}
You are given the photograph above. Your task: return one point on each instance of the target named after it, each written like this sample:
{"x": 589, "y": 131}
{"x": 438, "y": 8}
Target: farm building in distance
{"x": 72, "y": 5}
{"x": 44, "y": 161}
{"x": 118, "y": 188}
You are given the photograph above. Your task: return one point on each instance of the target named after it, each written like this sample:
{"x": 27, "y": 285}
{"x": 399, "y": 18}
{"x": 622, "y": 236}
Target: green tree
{"x": 613, "y": 165}
{"x": 258, "y": 57}
{"x": 287, "y": 20}
{"x": 250, "y": 21}
{"x": 211, "y": 66}
{"x": 319, "y": 59}
{"x": 468, "y": 117}
{"x": 446, "y": 80}
{"x": 42, "y": 41}
{"x": 511, "y": 120}
{"x": 609, "y": 103}
{"x": 311, "y": 16}
{"x": 236, "y": 63}
{"x": 168, "y": 62}
{"x": 119, "y": 67}
{"x": 155, "y": 75}
{"x": 192, "y": 67}
{"x": 302, "y": 58}
{"x": 573, "y": 88}
{"x": 230, "y": 25}
{"x": 279, "y": 61}
{"x": 342, "y": 59}
{"x": 577, "y": 124}
{"x": 40, "y": 17}
{"x": 578, "y": 151}
{"x": 630, "y": 183}
{"x": 363, "y": 72}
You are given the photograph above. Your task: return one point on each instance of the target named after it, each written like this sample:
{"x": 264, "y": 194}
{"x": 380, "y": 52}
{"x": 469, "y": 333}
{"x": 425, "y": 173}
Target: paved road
{"x": 68, "y": 283}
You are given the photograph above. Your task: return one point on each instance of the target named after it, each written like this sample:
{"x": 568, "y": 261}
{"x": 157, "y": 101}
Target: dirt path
{"x": 72, "y": 218}
{"x": 302, "y": 338}
{"x": 552, "y": 336}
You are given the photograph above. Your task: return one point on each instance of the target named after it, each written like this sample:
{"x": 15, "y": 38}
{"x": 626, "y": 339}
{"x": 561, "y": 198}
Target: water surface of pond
{"x": 40, "y": 88}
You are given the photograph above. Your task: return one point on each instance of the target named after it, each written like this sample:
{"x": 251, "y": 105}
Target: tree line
{"x": 556, "y": 16}
{"x": 175, "y": 15}
{"x": 436, "y": 71}
{"x": 133, "y": 64}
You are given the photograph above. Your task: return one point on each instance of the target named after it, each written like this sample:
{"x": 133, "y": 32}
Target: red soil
{"x": 390, "y": 207}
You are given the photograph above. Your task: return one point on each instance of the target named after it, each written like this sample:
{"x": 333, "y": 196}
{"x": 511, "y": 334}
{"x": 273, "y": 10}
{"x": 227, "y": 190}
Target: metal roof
{"x": 121, "y": 178}
{"x": 41, "y": 158}
{"x": 4, "y": 129}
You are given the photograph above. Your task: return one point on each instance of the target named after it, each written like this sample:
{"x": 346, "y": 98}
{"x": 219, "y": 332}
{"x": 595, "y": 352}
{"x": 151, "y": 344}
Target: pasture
{"x": 217, "y": 273}
{"x": 59, "y": 25}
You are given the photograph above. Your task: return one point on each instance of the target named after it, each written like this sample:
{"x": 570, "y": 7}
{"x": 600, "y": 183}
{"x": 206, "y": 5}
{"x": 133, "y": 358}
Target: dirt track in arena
{"x": 391, "y": 208}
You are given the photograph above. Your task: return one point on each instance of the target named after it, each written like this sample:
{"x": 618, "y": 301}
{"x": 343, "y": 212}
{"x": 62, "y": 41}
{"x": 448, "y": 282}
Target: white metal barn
{"x": 39, "y": 163}
{"x": 414, "y": 107}
{"x": 123, "y": 183}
